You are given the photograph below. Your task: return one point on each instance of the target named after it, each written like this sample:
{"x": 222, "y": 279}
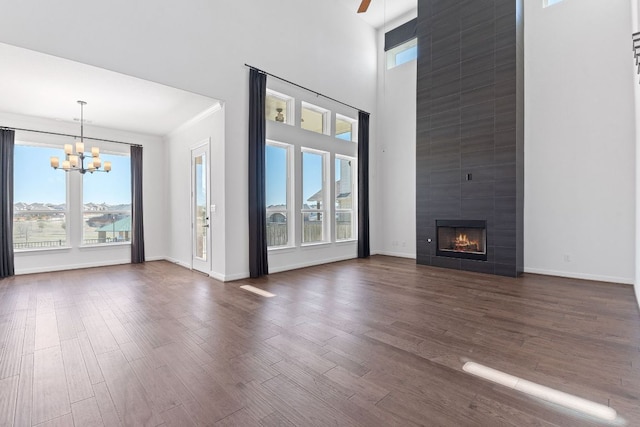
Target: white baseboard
{"x": 396, "y": 254}
{"x": 155, "y": 258}
{"x": 571, "y": 275}
{"x": 51, "y": 268}
{"x": 309, "y": 264}
{"x": 230, "y": 277}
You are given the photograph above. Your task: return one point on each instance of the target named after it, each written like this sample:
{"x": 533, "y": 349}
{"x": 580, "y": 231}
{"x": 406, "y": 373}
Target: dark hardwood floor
{"x": 376, "y": 342}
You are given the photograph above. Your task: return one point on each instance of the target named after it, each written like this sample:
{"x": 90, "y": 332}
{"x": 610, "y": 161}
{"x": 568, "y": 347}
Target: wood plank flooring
{"x": 375, "y": 342}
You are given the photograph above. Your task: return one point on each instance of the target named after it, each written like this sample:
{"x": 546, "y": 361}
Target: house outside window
{"x": 107, "y": 203}
{"x": 313, "y": 196}
{"x": 345, "y": 198}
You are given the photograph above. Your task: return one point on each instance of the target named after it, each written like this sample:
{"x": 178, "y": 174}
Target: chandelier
{"x": 74, "y": 160}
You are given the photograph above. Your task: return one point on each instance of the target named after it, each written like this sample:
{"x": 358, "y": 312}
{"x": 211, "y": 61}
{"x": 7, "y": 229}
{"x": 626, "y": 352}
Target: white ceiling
{"x": 40, "y": 85}
{"x": 35, "y": 84}
{"x": 382, "y": 11}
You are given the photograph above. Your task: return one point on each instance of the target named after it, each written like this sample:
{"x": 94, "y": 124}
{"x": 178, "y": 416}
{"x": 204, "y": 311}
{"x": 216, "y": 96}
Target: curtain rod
{"x": 69, "y": 135}
{"x": 305, "y": 88}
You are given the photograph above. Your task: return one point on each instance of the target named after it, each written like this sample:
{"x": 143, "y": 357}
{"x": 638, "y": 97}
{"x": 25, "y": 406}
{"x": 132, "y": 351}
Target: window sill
{"x": 315, "y": 244}
{"x": 27, "y": 251}
{"x": 346, "y": 241}
{"x": 281, "y": 249}
{"x": 105, "y": 245}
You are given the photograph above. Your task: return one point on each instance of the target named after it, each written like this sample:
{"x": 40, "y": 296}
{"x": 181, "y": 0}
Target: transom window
{"x": 346, "y": 128}
{"x": 279, "y": 107}
{"x": 314, "y": 118}
{"x": 406, "y": 52}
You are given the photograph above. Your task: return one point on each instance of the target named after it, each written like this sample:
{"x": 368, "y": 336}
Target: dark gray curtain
{"x": 363, "y": 185}
{"x": 258, "y": 263}
{"x": 137, "y": 226}
{"x": 7, "y": 140}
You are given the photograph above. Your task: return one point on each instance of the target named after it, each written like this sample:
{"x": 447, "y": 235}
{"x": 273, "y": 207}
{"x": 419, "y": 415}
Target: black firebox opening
{"x": 462, "y": 239}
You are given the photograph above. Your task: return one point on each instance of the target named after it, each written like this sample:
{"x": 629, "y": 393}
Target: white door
{"x": 201, "y": 232}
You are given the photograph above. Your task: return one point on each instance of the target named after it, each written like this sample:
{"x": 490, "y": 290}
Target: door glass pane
{"x": 200, "y": 208}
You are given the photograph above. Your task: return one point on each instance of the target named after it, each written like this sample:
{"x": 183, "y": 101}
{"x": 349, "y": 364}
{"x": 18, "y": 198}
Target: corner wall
{"x": 580, "y": 144}
{"x": 395, "y": 153}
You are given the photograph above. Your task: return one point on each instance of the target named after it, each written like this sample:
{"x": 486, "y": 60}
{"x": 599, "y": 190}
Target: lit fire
{"x": 462, "y": 243}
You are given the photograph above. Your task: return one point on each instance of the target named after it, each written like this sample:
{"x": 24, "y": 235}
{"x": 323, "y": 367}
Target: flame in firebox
{"x": 462, "y": 243}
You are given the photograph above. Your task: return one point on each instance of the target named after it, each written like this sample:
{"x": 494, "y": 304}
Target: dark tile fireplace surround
{"x": 470, "y": 134}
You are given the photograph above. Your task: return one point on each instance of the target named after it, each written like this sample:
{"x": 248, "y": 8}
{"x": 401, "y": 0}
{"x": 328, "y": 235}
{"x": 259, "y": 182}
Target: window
{"x": 279, "y": 107}
{"x": 407, "y": 51}
{"x": 314, "y": 119}
{"x": 278, "y": 194}
{"x": 40, "y": 199}
{"x": 313, "y": 196}
{"x": 346, "y": 128}
{"x": 344, "y": 198}
{"x": 107, "y": 203}
{"x": 547, "y": 3}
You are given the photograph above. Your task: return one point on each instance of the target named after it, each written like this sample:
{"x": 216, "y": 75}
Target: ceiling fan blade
{"x": 364, "y": 6}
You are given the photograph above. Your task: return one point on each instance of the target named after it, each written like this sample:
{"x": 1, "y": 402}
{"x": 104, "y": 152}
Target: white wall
{"x": 202, "y": 47}
{"x": 207, "y": 130}
{"x": 154, "y": 201}
{"x": 395, "y": 153}
{"x": 635, "y": 26}
{"x": 579, "y": 140}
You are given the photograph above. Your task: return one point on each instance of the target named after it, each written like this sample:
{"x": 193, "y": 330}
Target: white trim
{"x": 584, "y": 276}
{"x": 71, "y": 267}
{"x": 395, "y": 254}
{"x": 310, "y": 264}
{"x": 195, "y": 119}
{"x": 229, "y": 277}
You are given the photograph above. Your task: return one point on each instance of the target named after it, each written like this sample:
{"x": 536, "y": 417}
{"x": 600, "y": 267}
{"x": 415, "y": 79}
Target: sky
{"x": 49, "y": 185}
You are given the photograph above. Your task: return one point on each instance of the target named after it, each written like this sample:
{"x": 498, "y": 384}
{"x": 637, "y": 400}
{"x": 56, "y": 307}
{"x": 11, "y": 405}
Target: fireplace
{"x": 462, "y": 239}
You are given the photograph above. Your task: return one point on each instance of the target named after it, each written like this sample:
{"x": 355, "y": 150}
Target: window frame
{"x": 392, "y": 54}
{"x": 549, "y": 3}
{"x": 66, "y": 211}
{"x": 326, "y": 117}
{"x": 325, "y": 155}
{"x": 354, "y": 127}
{"x": 82, "y": 211}
{"x": 354, "y": 200}
{"x": 288, "y": 211}
{"x": 290, "y": 106}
